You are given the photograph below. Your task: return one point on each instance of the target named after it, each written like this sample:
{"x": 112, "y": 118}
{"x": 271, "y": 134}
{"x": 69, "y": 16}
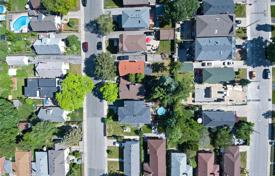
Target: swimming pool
{"x": 2, "y": 9}
{"x": 20, "y": 22}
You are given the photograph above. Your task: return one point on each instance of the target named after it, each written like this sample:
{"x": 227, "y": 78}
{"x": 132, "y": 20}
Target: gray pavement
{"x": 65, "y": 58}
{"x": 259, "y": 91}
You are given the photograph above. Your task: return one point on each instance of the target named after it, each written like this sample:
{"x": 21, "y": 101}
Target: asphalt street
{"x": 259, "y": 90}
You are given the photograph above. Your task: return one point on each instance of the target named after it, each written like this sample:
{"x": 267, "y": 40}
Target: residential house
{"x": 157, "y": 159}
{"x": 135, "y": 3}
{"x": 135, "y": 19}
{"x": 217, "y": 75}
{"x": 58, "y": 162}
{"x": 49, "y": 46}
{"x": 132, "y": 43}
{"x": 131, "y": 154}
{"x": 231, "y": 161}
{"x": 5, "y": 167}
{"x": 51, "y": 69}
{"x": 206, "y": 165}
{"x": 45, "y": 23}
{"x": 23, "y": 163}
{"x": 35, "y": 4}
{"x": 212, "y": 119}
{"x": 17, "y": 60}
{"x": 130, "y": 67}
{"x": 41, "y": 87}
{"x": 127, "y": 90}
{"x": 134, "y": 113}
{"x": 40, "y": 166}
{"x": 212, "y": 7}
{"x": 179, "y": 165}
{"x": 52, "y": 114}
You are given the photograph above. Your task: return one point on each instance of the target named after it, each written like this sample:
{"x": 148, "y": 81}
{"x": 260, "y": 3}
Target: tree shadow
{"x": 89, "y": 66}
{"x": 96, "y": 90}
{"x": 264, "y": 27}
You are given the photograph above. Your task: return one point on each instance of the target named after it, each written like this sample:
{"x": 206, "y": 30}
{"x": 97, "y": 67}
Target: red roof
{"x": 231, "y": 161}
{"x": 128, "y": 67}
{"x": 2, "y": 161}
{"x": 206, "y": 166}
{"x": 23, "y": 163}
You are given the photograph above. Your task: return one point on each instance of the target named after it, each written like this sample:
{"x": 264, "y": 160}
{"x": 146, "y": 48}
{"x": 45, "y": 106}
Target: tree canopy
{"x": 74, "y": 88}
{"x": 105, "y": 24}
{"x": 73, "y": 44}
{"x": 179, "y": 10}
{"x": 73, "y": 137}
{"x": 222, "y": 138}
{"x": 136, "y": 78}
{"x": 243, "y": 130}
{"x": 109, "y": 91}
{"x": 61, "y": 7}
{"x": 104, "y": 66}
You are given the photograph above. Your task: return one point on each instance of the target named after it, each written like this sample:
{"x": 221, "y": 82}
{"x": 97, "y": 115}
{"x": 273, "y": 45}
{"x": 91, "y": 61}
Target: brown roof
{"x": 132, "y": 43}
{"x": 231, "y": 162}
{"x": 167, "y": 34}
{"x": 23, "y": 126}
{"x": 35, "y": 4}
{"x": 206, "y": 166}
{"x": 23, "y": 163}
{"x": 157, "y": 152}
{"x": 2, "y": 161}
{"x": 127, "y": 90}
{"x": 127, "y": 67}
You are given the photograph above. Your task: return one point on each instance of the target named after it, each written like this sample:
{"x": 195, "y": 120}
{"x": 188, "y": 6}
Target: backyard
{"x": 243, "y": 156}
{"x": 166, "y": 46}
{"x": 17, "y": 5}
{"x": 240, "y": 10}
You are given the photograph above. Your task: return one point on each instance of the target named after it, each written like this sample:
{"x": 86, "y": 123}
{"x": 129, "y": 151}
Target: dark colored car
{"x": 99, "y": 45}
{"x": 122, "y": 57}
{"x": 238, "y": 21}
{"x": 266, "y": 73}
{"x": 85, "y": 46}
{"x": 84, "y": 3}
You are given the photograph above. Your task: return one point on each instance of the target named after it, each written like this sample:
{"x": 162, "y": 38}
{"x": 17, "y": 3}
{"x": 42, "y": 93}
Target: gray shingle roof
{"x": 212, "y": 119}
{"x": 43, "y": 23}
{"x": 17, "y": 60}
{"x": 40, "y": 166}
{"x": 211, "y": 7}
{"x": 49, "y": 46}
{"x": 134, "y": 112}
{"x": 53, "y": 114}
{"x": 136, "y": 18}
{"x": 40, "y": 87}
{"x": 131, "y": 158}
{"x": 217, "y": 75}
{"x": 179, "y": 165}
{"x": 214, "y": 48}
{"x": 221, "y": 25}
{"x": 49, "y": 69}
{"x": 57, "y": 162}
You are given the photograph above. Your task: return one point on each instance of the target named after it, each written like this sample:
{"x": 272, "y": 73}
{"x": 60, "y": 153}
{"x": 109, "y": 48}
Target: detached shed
{"x": 17, "y": 60}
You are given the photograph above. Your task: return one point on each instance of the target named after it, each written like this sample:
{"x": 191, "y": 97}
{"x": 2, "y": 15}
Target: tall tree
{"x": 179, "y": 10}
{"x": 222, "y": 138}
{"x": 104, "y": 66}
{"x": 109, "y": 91}
{"x": 74, "y": 88}
{"x": 73, "y": 137}
{"x": 243, "y": 130}
{"x": 105, "y": 24}
{"x": 61, "y": 7}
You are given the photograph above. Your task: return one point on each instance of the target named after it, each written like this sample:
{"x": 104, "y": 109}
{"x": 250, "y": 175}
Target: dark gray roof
{"x": 43, "y": 23}
{"x": 221, "y": 25}
{"x": 214, "y": 48}
{"x": 40, "y": 87}
{"x": 134, "y": 112}
{"x": 211, "y": 7}
{"x": 135, "y": 18}
{"x": 131, "y": 158}
{"x": 212, "y": 119}
{"x": 53, "y": 114}
{"x": 57, "y": 162}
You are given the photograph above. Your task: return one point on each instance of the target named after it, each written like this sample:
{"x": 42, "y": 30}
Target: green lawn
{"x": 240, "y": 10}
{"x": 116, "y": 129}
{"x": 77, "y": 7}
{"x": 113, "y": 152}
{"x": 5, "y": 81}
{"x": 241, "y": 74}
{"x": 165, "y": 46}
{"x": 273, "y": 96}
{"x": 273, "y": 74}
{"x": 109, "y": 4}
{"x": 146, "y": 129}
{"x": 273, "y": 30}
{"x": 76, "y": 115}
{"x": 76, "y": 69}
{"x": 243, "y": 159}
{"x": 115, "y": 167}
{"x": 18, "y": 5}
{"x": 72, "y": 25}
{"x": 273, "y": 11}
{"x": 241, "y": 33}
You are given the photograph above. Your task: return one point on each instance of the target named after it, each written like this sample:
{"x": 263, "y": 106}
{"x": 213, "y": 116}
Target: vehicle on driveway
{"x": 84, "y": 3}
{"x": 266, "y": 73}
{"x": 85, "y": 46}
{"x": 252, "y": 74}
{"x": 99, "y": 46}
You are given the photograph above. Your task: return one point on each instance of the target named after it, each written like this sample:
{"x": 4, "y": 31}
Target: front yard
{"x": 115, "y": 167}
{"x": 114, "y": 152}
{"x": 240, "y": 10}
{"x": 76, "y": 115}
{"x": 76, "y": 69}
{"x": 241, "y": 74}
{"x": 72, "y": 25}
{"x": 273, "y": 11}
{"x": 109, "y": 4}
{"x": 273, "y": 96}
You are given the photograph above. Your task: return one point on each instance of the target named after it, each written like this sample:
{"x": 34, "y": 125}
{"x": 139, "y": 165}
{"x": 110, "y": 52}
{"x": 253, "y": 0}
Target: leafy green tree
{"x": 105, "y": 24}
{"x": 179, "y": 10}
{"x": 139, "y": 77}
{"x": 243, "y": 130}
{"x": 136, "y": 78}
{"x": 174, "y": 67}
{"x": 74, "y": 88}
{"x": 184, "y": 88}
{"x": 71, "y": 23}
{"x": 8, "y": 128}
{"x": 204, "y": 139}
{"x": 132, "y": 78}
{"x": 222, "y": 138}
{"x": 4, "y": 50}
{"x": 40, "y": 136}
{"x": 104, "y": 66}
{"x": 61, "y": 7}
{"x": 73, "y": 44}
{"x": 73, "y": 137}
{"x": 109, "y": 91}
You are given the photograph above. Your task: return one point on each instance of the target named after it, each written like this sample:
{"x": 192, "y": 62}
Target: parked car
{"x": 122, "y": 57}
{"x": 266, "y": 73}
{"x": 238, "y": 21}
{"x": 252, "y": 74}
{"x": 85, "y": 46}
{"x": 84, "y": 3}
{"x": 99, "y": 46}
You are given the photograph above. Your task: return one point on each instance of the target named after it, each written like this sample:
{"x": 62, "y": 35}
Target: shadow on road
{"x": 93, "y": 27}
{"x": 89, "y": 66}
{"x": 264, "y": 27}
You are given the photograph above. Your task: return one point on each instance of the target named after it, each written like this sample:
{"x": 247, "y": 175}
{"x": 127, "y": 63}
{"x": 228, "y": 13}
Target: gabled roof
{"x": 134, "y": 112}
{"x": 231, "y": 161}
{"x": 211, "y": 7}
{"x": 136, "y": 18}
{"x": 40, "y": 87}
{"x": 130, "y": 67}
{"x": 57, "y": 163}
{"x": 23, "y": 163}
{"x": 214, "y": 48}
{"x": 179, "y": 165}
{"x": 52, "y": 114}
{"x": 217, "y": 75}
{"x": 50, "y": 46}
{"x": 157, "y": 152}
{"x": 131, "y": 158}
{"x": 221, "y": 25}
{"x": 44, "y": 23}
{"x": 50, "y": 69}
{"x": 206, "y": 165}
{"x": 17, "y": 60}
{"x": 40, "y": 166}
{"x": 132, "y": 43}
{"x": 35, "y": 4}
{"x": 212, "y": 119}
{"x": 127, "y": 90}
